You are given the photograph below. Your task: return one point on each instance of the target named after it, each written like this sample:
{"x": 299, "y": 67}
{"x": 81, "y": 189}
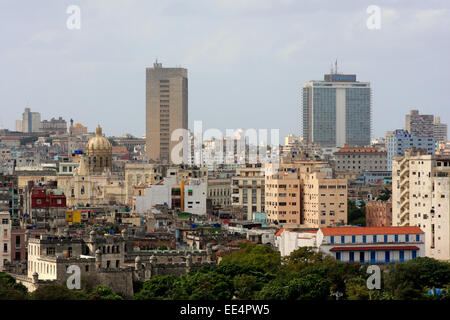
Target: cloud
{"x": 219, "y": 47}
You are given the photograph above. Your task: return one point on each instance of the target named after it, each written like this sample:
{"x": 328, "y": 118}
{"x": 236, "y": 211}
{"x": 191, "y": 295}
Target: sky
{"x": 247, "y": 60}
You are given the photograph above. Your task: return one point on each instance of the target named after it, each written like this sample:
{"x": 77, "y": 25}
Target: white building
{"x": 195, "y": 196}
{"x": 289, "y": 240}
{"x": 421, "y": 197}
{"x": 5, "y": 238}
{"x": 358, "y": 244}
{"x": 156, "y": 194}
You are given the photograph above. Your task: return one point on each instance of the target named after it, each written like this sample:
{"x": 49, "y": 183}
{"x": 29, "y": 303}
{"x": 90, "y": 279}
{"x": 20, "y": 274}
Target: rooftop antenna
{"x": 336, "y": 68}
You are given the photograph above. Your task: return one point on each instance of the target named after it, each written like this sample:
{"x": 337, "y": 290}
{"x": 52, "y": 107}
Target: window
{"x": 5, "y": 247}
{"x": 342, "y": 239}
{"x": 361, "y": 257}
{"x": 374, "y": 239}
{"x": 385, "y": 238}
{"x": 364, "y": 239}
{"x": 387, "y": 256}
{"x": 108, "y": 264}
{"x": 414, "y": 254}
{"x": 338, "y": 256}
{"x": 396, "y": 238}
{"x": 352, "y": 256}
{"x": 402, "y": 255}
{"x": 406, "y": 237}
{"x": 331, "y": 239}
{"x": 86, "y": 268}
{"x": 353, "y": 239}
{"x": 372, "y": 256}
{"x": 117, "y": 263}
{"x": 417, "y": 237}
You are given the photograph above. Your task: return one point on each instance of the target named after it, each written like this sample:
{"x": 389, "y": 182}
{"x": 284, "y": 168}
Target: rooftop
{"x": 341, "y": 231}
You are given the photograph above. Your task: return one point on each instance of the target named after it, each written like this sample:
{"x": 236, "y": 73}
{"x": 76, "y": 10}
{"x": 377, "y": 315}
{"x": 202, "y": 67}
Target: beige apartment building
{"x": 421, "y": 197}
{"x": 283, "y": 189}
{"x": 247, "y": 189}
{"x": 166, "y": 109}
{"x": 324, "y": 200}
{"x": 303, "y": 192}
{"x": 351, "y": 161}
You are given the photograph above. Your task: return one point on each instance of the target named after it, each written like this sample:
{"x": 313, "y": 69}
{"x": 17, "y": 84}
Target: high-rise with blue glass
{"x": 336, "y": 111}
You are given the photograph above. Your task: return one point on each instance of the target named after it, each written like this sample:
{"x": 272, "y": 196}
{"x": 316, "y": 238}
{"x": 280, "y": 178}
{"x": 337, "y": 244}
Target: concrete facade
{"x": 166, "y": 109}
{"x": 421, "y": 197}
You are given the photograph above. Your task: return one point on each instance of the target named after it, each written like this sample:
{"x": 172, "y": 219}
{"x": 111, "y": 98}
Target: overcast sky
{"x": 247, "y": 59}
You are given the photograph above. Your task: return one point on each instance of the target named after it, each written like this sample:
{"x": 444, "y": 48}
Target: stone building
{"x": 98, "y": 153}
{"x": 351, "y": 161}
{"x": 378, "y": 213}
{"x": 247, "y": 189}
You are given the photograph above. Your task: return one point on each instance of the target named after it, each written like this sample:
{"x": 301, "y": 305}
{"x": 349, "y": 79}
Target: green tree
{"x": 409, "y": 280}
{"x": 158, "y": 287}
{"x": 356, "y": 289}
{"x": 207, "y": 286}
{"x": 274, "y": 290}
{"x": 10, "y": 289}
{"x": 356, "y": 215}
{"x": 245, "y": 286}
{"x": 58, "y": 291}
{"x": 309, "y": 287}
{"x": 102, "y": 292}
{"x": 260, "y": 256}
{"x": 384, "y": 195}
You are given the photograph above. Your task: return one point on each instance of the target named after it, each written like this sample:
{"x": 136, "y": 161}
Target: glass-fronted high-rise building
{"x": 336, "y": 111}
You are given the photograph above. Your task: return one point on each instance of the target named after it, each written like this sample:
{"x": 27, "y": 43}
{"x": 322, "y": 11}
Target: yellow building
{"x": 73, "y": 217}
{"x": 93, "y": 182}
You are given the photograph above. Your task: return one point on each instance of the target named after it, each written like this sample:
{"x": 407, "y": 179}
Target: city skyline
{"x": 100, "y": 69}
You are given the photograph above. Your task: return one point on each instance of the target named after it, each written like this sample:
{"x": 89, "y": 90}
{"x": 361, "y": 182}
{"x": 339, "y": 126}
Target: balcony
{"x": 404, "y": 193}
{"x": 404, "y": 203}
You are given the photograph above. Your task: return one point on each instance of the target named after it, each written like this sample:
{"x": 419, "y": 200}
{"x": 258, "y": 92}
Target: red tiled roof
{"x": 341, "y": 231}
{"x": 307, "y": 231}
{"x": 279, "y": 232}
{"x": 374, "y": 248}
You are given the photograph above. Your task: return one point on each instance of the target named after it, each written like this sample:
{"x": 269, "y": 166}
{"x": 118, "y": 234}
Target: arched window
{"x": 101, "y": 161}
{"x": 82, "y": 190}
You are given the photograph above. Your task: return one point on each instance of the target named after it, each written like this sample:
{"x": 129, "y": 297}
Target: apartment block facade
{"x": 248, "y": 189}
{"x": 351, "y": 161}
{"x": 337, "y": 111}
{"x": 5, "y": 238}
{"x": 421, "y": 197}
{"x": 398, "y": 141}
{"x": 303, "y": 192}
{"x": 420, "y": 125}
